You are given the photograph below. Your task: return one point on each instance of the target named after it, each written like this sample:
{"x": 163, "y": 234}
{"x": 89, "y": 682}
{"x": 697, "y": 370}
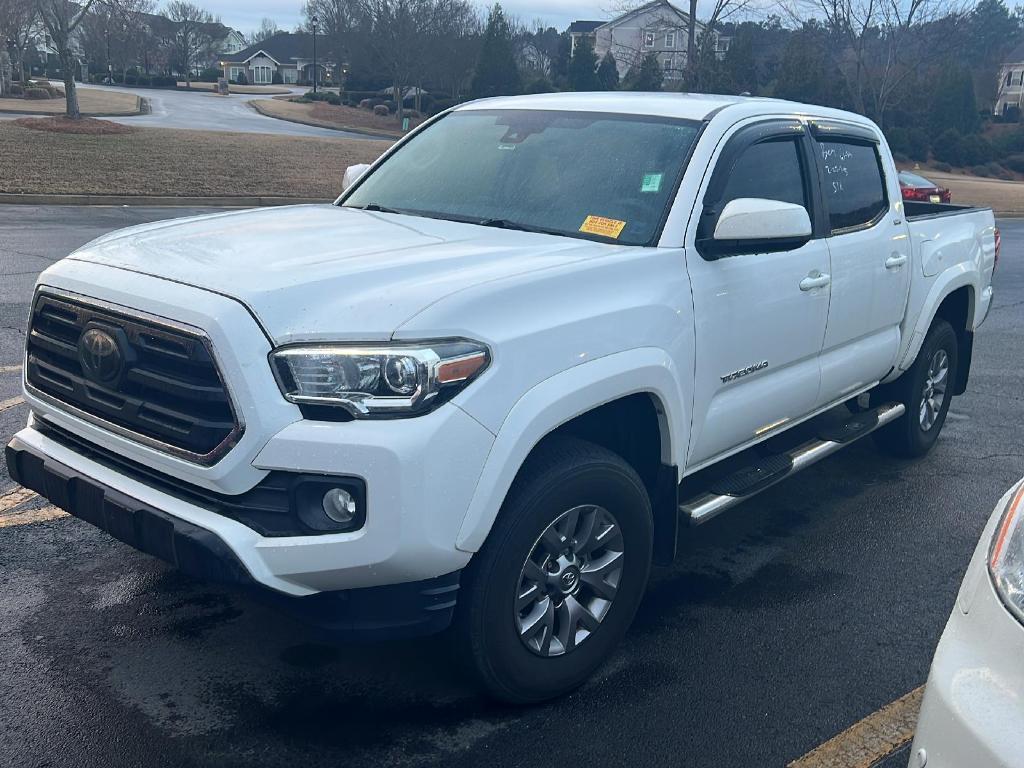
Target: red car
{"x": 919, "y": 188}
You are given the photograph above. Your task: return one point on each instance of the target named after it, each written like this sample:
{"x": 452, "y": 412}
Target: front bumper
{"x": 401, "y": 610}
{"x": 973, "y": 708}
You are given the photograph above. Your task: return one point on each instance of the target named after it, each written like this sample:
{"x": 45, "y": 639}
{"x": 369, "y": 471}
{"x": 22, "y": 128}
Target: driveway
{"x": 204, "y": 111}
{"x": 783, "y": 622}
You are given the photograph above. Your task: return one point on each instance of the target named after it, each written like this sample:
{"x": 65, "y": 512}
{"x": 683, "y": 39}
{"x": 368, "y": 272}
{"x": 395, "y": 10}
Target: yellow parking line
{"x": 9, "y": 368}
{"x": 30, "y": 516}
{"x": 11, "y": 402}
{"x": 865, "y": 743}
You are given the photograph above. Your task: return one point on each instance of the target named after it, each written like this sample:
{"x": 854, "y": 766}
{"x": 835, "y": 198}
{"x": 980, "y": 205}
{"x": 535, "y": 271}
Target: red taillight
{"x": 999, "y": 244}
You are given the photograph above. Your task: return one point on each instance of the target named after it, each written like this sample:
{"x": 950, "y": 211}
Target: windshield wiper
{"x": 507, "y": 224}
{"x": 376, "y": 208}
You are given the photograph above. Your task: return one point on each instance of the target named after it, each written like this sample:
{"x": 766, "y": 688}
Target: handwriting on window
{"x": 836, "y": 170}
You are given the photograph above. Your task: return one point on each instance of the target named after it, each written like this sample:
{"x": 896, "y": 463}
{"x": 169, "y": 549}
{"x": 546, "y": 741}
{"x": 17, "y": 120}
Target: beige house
{"x": 658, "y": 28}
{"x": 1011, "y": 82}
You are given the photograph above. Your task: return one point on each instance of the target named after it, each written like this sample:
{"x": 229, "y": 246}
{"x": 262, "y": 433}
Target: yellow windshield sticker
{"x": 599, "y": 225}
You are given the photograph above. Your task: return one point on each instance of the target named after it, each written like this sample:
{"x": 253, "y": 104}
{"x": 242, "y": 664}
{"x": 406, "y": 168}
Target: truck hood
{"x": 317, "y": 272}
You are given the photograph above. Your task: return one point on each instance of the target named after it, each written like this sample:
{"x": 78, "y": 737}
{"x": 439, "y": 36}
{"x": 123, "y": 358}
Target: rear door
{"x": 870, "y": 258}
{"x": 760, "y": 316}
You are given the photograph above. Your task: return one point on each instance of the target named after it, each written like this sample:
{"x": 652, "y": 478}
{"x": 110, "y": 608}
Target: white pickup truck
{"x": 487, "y": 386}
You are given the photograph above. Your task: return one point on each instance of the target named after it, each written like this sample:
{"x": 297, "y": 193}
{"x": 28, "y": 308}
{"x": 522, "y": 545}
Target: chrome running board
{"x": 763, "y": 474}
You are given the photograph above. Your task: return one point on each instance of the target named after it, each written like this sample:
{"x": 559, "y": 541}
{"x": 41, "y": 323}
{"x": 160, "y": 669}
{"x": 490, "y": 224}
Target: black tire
{"x": 563, "y": 473}
{"x": 907, "y": 437}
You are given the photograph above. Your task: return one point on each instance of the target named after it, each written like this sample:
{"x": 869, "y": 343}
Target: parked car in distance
{"x": 468, "y": 392}
{"x": 973, "y": 708}
{"x": 919, "y": 188}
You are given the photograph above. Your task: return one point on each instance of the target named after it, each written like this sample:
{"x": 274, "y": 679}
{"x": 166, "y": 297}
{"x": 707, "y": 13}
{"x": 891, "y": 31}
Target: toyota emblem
{"x": 100, "y": 356}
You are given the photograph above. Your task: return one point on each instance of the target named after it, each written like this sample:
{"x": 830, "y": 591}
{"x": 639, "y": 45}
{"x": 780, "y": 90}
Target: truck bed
{"x": 917, "y": 210}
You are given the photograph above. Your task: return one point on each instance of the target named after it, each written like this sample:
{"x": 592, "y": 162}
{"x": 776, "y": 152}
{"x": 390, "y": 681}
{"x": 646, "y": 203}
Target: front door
{"x": 760, "y": 317}
{"x": 870, "y": 256}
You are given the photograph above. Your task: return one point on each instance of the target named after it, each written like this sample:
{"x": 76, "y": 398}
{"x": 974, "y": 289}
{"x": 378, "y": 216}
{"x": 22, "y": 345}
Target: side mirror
{"x": 754, "y": 225}
{"x": 352, "y": 174}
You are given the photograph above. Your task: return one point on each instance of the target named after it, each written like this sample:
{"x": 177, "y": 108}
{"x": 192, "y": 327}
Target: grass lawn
{"x": 329, "y": 116}
{"x": 159, "y": 161}
{"x": 269, "y": 90}
{"x": 91, "y": 101}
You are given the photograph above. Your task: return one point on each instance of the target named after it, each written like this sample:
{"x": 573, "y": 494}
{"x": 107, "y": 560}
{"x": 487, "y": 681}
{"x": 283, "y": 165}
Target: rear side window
{"x": 769, "y": 170}
{"x": 852, "y": 183}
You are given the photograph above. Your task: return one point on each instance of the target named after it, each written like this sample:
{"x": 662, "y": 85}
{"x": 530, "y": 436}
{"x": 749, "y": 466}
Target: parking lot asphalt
{"x": 783, "y": 623}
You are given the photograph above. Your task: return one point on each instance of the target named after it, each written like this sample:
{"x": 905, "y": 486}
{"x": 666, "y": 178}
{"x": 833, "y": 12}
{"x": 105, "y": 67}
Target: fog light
{"x": 340, "y": 506}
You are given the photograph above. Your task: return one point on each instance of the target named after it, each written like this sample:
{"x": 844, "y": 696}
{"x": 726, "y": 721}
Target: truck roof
{"x": 689, "y": 106}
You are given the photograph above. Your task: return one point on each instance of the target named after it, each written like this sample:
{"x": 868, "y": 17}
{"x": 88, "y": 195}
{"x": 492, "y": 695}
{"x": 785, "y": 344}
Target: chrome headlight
{"x": 378, "y": 380}
{"x": 1006, "y": 558}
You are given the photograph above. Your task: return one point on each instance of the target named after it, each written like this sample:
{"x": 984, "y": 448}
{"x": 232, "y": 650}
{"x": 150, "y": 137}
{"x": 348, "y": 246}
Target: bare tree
{"x": 191, "y": 38}
{"x": 879, "y": 44}
{"x": 61, "y": 19}
{"x": 17, "y": 20}
{"x": 400, "y": 33}
{"x": 268, "y": 28}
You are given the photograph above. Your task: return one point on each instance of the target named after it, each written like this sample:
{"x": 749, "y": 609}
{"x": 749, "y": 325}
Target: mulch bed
{"x": 86, "y": 126}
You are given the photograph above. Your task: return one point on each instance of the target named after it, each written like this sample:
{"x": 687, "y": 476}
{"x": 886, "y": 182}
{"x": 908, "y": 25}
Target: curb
{"x": 362, "y": 132}
{"x": 141, "y": 108}
{"x": 158, "y": 200}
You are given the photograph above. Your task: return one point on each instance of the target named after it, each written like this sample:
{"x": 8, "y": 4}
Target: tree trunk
{"x": 691, "y": 37}
{"x": 67, "y": 65}
{"x": 396, "y": 94}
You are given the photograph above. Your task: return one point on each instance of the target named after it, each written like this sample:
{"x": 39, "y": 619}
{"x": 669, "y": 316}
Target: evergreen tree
{"x": 583, "y": 67}
{"x": 560, "y": 66}
{"x": 804, "y": 70}
{"x": 608, "y": 73}
{"x": 953, "y": 102}
{"x": 496, "y": 73}
{"x": 647, "y": 77}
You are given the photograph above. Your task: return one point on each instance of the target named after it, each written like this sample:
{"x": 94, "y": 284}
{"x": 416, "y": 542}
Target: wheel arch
{"x": 596, "y": 400}
{"x": 954, "y": 300}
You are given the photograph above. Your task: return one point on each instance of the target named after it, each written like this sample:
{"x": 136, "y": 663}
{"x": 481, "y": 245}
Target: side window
{"x": 772, "y": 170}
{"x": 853, "y": 184}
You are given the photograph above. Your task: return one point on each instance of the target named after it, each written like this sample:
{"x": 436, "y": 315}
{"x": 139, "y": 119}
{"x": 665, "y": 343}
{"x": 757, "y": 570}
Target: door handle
{"x": 896, "y": 260}
{"x": 815, "y": 280}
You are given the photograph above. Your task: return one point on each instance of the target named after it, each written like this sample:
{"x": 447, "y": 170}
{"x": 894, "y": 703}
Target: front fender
{"x": 560, "y": 399}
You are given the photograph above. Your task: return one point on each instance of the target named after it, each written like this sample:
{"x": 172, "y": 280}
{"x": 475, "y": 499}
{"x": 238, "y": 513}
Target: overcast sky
{"x": 245, "y": 15}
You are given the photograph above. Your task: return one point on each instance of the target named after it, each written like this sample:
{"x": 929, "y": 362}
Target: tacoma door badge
{"x": 745, "y": 371}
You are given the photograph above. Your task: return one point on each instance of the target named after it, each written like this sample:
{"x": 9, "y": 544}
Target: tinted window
{"x": 854, "y": 189}
{"x": 769, "y": 170}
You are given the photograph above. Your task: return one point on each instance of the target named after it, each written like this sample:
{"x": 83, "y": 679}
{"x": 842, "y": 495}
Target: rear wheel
{"x": 554, "y": 589}
{"x": 926, "y": 391}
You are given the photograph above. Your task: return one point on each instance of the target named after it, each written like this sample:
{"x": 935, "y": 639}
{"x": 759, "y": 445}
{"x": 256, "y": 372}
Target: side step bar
{"x": 749, "y": 481}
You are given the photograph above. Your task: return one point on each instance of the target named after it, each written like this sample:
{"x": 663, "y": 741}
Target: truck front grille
{"x": 150, "y": 379}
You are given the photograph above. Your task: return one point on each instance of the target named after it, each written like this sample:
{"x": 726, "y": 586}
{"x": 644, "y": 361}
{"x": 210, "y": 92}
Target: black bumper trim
{"x": 371, "y": 613}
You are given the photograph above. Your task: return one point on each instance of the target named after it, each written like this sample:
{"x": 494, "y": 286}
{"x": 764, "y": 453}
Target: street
{"x": 205, "y": 111}
{"x": 783, "y": 622}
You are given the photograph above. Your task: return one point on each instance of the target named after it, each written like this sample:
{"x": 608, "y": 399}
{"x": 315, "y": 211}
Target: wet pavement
{"x": 784, "y": 621}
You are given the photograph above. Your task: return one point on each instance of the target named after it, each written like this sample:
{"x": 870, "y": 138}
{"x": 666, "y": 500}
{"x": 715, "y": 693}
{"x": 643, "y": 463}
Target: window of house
{"x": 262, "y": 75}
{"x": 771, "y": 170}
{"x": 854, "y": 185}
{"x": 235, "y": 72}
{"x": 670, "y": 39}
{"x": 667, "y": 64}
{"x": 649, "y": 39}
{"x": 1009, "y": 76}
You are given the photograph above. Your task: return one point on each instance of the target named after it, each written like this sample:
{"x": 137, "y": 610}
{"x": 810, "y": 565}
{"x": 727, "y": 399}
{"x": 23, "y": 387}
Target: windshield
{"x": 608, "y": 177}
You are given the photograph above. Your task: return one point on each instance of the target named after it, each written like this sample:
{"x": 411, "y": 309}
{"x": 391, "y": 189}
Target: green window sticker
{"x": 651, "y": 182}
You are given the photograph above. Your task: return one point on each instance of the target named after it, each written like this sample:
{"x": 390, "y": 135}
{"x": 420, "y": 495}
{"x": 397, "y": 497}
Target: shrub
{"x": 996, "y": 170}
{"x": 210, "y": 75}
{"x": 381, "y": 109}
{"x": 391, "y": 105}
{"x": 17, "y": 89}
{"x": 980, "y": 170}
{"x": 975, "y": 150}
{"x": 1012, "y": 115}
{"x": 539, "y": 85}
{"x": 899, "y": 157}
{"x": 332, "y": 98}
{"x": 440, "y": 105}
{"x": 243, "y": 79}
{"x": 37, "y": 93}
{"x": 1014, "y": 163}
{"x": 366, "y": 104}
{"x": 944, "y": 167}
{"x": 917, "y": 144}
{"x": 164, "y": 81}
{"x": 947, "y": 147}
{"x": 276, "y": 78}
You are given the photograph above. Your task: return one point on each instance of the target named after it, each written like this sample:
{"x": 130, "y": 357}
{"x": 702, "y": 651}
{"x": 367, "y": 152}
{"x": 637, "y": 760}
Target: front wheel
{"x": 926, "y": 391}
{"x": 558, "y": 581}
